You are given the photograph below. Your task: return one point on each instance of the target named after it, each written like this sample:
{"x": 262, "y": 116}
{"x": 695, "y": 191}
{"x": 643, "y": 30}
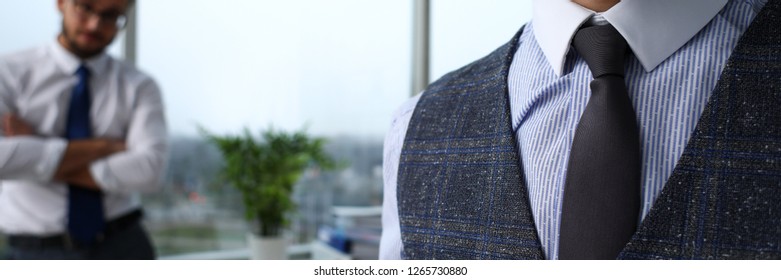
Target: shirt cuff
{"x": 101, "y": 173}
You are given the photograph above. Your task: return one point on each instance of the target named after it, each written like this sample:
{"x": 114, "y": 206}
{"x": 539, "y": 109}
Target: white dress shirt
{"x": 36, "y": 85}
{"x": 679, "y": 49}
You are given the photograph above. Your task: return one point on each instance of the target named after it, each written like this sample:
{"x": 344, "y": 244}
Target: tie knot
{"x": 82, "y": 72}
{"x": 603, "y": 49}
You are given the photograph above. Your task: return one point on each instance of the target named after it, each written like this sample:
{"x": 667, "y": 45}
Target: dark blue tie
{"x": 85, "y": 207}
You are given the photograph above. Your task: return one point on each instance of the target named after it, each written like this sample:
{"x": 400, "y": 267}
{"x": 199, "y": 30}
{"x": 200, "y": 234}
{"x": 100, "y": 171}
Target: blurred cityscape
{"x": 197, "y": 212}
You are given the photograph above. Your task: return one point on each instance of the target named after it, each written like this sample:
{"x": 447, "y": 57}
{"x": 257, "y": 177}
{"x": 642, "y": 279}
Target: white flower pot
{"x": 267, "y": 248}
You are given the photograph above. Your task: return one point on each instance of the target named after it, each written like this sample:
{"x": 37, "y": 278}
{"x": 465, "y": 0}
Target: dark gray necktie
{"x": 602, "y": 192}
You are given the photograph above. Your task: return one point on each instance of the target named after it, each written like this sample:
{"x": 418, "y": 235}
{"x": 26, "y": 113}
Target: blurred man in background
{"x": 82, "y": 135}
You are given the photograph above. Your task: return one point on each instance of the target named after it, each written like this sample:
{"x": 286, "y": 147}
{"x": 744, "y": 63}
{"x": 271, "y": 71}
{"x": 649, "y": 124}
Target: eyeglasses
{"x": 85, "y": 11}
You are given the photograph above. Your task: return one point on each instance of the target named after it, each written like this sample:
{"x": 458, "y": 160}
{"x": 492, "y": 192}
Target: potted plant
{"x": 264, "y": 170}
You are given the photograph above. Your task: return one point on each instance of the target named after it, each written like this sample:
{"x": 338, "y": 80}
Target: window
{"x": 465, "y": 30}
{"x": 339, "y": 68}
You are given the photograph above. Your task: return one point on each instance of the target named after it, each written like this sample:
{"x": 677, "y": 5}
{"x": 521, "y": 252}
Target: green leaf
{"x": 265, "y": 169}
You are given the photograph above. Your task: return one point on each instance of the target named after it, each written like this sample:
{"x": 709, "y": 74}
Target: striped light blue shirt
{"x": 546, "y": 103}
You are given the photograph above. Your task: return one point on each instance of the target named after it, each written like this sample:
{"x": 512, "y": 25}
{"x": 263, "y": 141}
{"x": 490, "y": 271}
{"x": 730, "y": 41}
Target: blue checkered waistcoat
{"x": 461, "y": 192}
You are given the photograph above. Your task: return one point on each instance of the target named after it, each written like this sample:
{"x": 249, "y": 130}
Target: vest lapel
{"x": 460, "y": 188}
{"x": 723, "y": 199}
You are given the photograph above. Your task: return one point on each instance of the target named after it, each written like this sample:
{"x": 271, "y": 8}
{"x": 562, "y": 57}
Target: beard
{"x": 83, "y": 52}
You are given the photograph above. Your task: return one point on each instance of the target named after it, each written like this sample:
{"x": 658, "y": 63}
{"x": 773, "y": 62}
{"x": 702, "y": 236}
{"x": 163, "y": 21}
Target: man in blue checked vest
{"x": 82, "y": 135}
{"x": 602, "y": 130}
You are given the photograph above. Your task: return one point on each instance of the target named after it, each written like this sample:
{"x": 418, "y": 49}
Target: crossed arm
{"x": 77, "y": 157}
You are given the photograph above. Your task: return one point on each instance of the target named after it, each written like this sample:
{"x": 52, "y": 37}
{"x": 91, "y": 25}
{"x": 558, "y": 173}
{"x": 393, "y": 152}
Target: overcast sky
{"x": 340, "y": 66}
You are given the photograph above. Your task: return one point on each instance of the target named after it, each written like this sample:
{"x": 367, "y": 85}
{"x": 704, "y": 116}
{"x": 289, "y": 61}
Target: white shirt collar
{"x": 69, "y": 62}
{"x": 654, "y": 29}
